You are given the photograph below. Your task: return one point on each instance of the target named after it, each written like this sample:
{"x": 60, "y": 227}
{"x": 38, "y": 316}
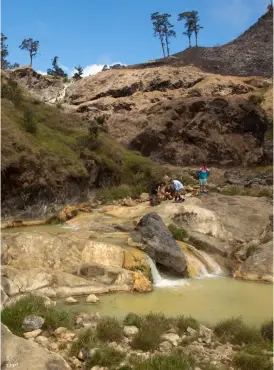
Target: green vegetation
{"x": 56, "y": 148}
{"x": 251, "y": 192}
{"x": 105, "y": 356}
{"x": 267, "y": 330}
{"x": 132, "y": 319}
{"x": 245, "y": 361}
{"x": 183, "y": 322}
{"x": 31, "y": 46}
{"x": 178, "y": 234}
{"x": 14, "y": 315}
{"x": 174, "y": 361}
{"x": 152, "y": 327}
{"x": 109, "y": 329}
{"x": 86, "y": 339}
{"x": 235, "y": 331}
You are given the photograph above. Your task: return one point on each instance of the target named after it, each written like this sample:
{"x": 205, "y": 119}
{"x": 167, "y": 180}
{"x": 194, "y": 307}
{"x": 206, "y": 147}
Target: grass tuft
{"x": 86, "y": 340}
{"x": 178, "y": 234}
{"x": 132, "y": 319}
{"x": 245, "y": 361}
{"x": 105, "y": 356}
{"x": 267, "y": 330}
{"x": 109, "y": 329}
{"x": 13, "y": 316}
{"x": 183, "y": 322}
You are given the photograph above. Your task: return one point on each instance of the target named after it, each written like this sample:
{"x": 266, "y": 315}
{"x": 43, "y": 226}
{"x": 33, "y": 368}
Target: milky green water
{"x": 208, "y": 300}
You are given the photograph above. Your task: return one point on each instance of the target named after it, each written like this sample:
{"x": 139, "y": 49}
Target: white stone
{"x": 174, "y": 339}
{"x": 92, "y": 298}
{"x": 191, "y": 331}
{"x": 60, "y": 331}
{"x": 42, "y": 340}
{"x": 32, "y": 334}
{"x": 71, "y": 300}
{"x": 130, "y": 331}
{"x": 165, "y": 346}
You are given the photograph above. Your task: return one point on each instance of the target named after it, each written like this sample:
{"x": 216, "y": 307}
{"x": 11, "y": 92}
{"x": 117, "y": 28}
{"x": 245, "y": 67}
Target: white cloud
{"x": 41, "y": 72}
{"x": 95, "y": 68}
{"x": 88, "y": 70}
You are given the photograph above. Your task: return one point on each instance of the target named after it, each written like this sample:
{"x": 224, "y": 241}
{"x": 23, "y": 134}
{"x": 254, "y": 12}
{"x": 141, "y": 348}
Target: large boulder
{"x": 25, "y": 354}
{"x": 259, "y": 266}
{"x": 156, "y": 240}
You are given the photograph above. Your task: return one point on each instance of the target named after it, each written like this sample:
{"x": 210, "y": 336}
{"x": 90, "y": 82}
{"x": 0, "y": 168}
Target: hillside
{"x": 251, "y": 54}
{"x": 49, "y": 157}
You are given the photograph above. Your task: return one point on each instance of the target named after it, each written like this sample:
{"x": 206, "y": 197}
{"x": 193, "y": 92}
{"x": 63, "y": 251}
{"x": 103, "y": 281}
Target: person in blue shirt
{"x": 203, "y": 175}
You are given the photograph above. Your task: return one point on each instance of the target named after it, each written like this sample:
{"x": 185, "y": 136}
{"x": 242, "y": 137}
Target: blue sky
{"x": 93, "y": 33}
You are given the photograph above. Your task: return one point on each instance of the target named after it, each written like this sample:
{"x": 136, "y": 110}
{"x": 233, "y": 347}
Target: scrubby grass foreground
{"x": 14, "y": 315}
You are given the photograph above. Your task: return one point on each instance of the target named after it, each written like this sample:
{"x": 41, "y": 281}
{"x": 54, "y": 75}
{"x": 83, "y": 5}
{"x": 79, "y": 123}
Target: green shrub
{"x": 11, "y": 91}
{"x": 114, "y": 193}
{"x": 30, "y": 124}
{"x": 228, "y": 326}
{"x": 237, "y": 332}
{"x": 105, "y": 356}
{"x": 158, "y": 321}
{"x": 147, "y": 339}
{"x": 14, "y": 315}
{"x": 183, "y": 323}
{"x": 109, "y": 329}
{"x": 244, "y": 361}
{"x": 164, "y": 362}
{"x": 132, "y": 319}
{"x": 86, "y": 339}
{"x": 178, "y": 234}
{"x": 267, "y": 330}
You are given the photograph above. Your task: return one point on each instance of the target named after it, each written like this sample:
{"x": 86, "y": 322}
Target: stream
{"x": 209, "y": 298}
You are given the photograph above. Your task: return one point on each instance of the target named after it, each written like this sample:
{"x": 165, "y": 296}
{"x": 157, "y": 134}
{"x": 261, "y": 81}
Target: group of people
{"x": 169, "y": 188}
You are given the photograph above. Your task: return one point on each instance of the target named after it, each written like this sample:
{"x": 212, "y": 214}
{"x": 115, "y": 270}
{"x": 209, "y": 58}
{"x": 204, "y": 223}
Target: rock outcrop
{"x": 156, "y": 240}
{"x": 64, "y": 265}
{"x": 24, "y": 354}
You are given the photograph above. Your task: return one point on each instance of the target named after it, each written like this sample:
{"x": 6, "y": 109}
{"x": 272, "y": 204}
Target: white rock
{"x": 165, "y": 346}
{"x": 174, "y": 339}
{"x": 53, "y": 347}
{"x": 60, "y": 331}
{"x": 191, "y": 331}
{"x": 42, "y": 340}
{"x": 71, "y": 300}
{"x": 32, "y": 334}
{"x": 32, "y": 322}
{"x": 130, "y": 331}
{"x": 92, "y": 298}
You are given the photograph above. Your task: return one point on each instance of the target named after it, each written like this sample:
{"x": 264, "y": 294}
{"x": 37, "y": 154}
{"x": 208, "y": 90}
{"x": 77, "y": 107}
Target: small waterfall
{"x": 159, "y": 281}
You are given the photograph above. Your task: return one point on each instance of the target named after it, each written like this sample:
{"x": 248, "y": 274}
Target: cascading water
{"x": 159, "y": 281}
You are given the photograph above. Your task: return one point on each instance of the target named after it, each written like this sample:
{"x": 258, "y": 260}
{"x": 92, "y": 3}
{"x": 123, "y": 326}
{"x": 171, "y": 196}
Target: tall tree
{"x": 168, "y": 30}
{"x": 4, "y": 52}
{"x": 188, "y": 18}
{"x": 79, "y": 72}
{"x": 158, "y": 27}
{"x": 195, "y": 25}
{"x": 31, "y": 46}
{"x": 56, "y": 70}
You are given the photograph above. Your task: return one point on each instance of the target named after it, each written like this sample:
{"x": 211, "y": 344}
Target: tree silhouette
{"x": 195, "y": 25}
{"x": 56, "y": 70}
{"x": 158, "y": 27}
{"x": 191, "y": 24}
{"x": 4, "y": 52}
{"x": 188, "y": 18}
{"x": 168, "y": 31}
{"x": 79, "y": 72}
{"x": 31, "y": 46}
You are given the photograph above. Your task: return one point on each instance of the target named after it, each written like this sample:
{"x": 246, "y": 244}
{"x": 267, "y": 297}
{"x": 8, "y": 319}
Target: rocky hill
{"x": 251, "y": 54}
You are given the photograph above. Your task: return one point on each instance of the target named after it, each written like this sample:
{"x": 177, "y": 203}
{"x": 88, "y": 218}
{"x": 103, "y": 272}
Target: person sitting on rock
{"x": 169, "y": 192}
{"x": 154, "y": 196}
{"x": 203, "y": 175}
